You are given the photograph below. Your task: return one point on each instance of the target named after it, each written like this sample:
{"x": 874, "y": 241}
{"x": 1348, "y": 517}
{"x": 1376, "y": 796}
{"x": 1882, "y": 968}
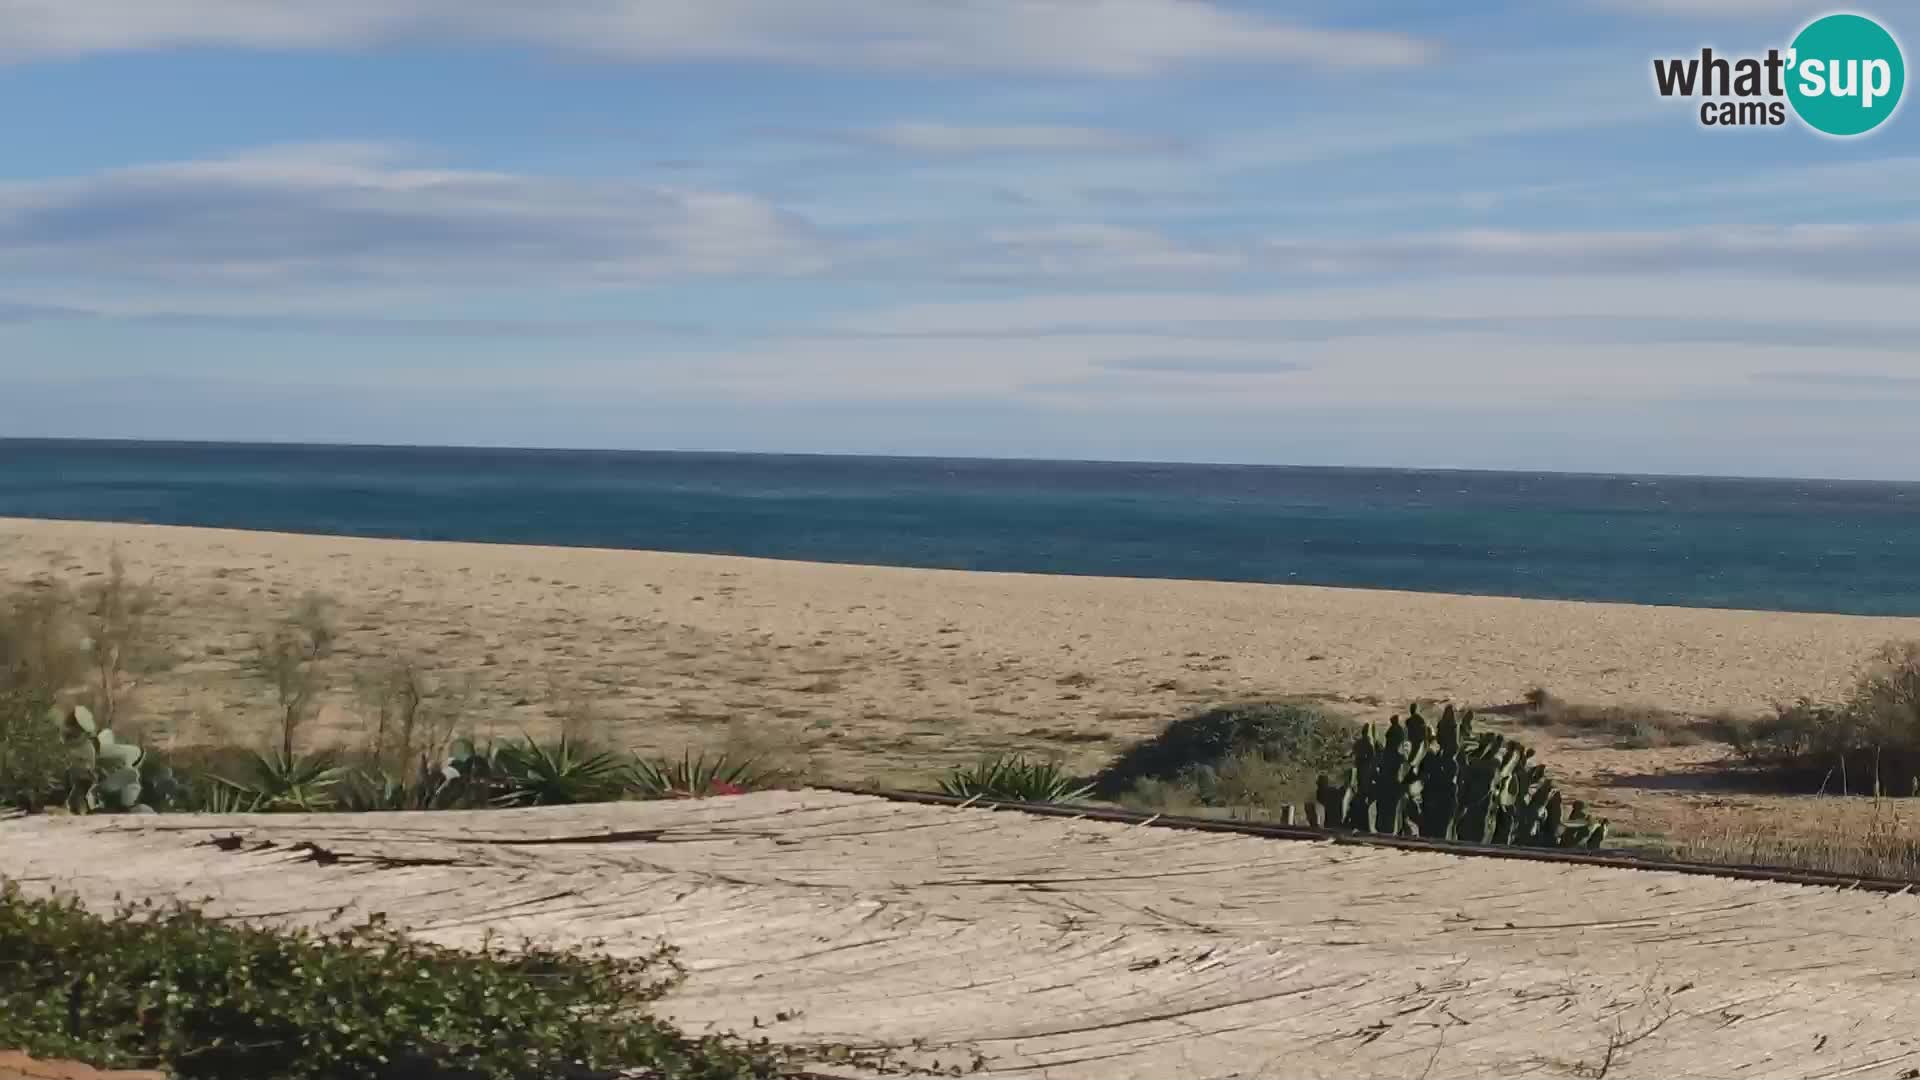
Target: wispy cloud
{"x": 1863, "y": 379}
{"x": 351, "y": 212}
{"x": 961, "y": 139}
{"x": 1090, "y": 250}
{"x": 1873, "y": 252}
{"x": 1096, "y": 37}
{"x": 1717, "y": 9}
{"x": 1200, "y": 365}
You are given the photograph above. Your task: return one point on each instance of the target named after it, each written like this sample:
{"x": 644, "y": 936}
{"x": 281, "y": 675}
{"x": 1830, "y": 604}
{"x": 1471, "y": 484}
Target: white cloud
{"x": 1087, "y": 249}
{"x": 1459, "y": 297}
{"x": 1719, "y": 9}
{"x": 1103, "y": 37}
{"x": 1870, "y": 252}
{"x": 957, "y": 139}
{"x": 351, "y": 212}
{"x": 313, "y": 220}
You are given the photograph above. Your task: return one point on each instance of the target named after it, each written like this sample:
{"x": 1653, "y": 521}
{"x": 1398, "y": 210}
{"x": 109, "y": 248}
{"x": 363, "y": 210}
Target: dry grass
{"x": 1627, "y": 727}
{"x": 1245, "y": 786}
{"x": 1878, "y": 839}
{"x": 1868, "y": 742}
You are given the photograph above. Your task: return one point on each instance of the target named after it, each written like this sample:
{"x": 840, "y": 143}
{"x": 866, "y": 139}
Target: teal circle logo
{"x": 1845, "y": 75}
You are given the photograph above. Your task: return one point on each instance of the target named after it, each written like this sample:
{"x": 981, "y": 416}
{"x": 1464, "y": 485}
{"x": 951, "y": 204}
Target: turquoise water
{"x": 1769, "y": 544}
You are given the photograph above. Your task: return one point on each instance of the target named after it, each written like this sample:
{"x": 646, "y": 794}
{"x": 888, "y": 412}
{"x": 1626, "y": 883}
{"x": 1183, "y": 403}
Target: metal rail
{"x": 1611, "y": 858}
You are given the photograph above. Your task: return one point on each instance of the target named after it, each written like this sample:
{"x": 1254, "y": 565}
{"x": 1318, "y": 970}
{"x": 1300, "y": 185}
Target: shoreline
{"x": 775, "y": 560}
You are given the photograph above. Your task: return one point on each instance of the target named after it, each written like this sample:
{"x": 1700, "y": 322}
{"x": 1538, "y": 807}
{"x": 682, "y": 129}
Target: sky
{"x": 1329, "y": 232}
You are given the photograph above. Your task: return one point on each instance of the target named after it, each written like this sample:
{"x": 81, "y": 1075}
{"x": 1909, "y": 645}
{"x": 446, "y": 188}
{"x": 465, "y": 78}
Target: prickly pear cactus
{"x": 1446, "y": 781}
{"x": 104, "y": 773}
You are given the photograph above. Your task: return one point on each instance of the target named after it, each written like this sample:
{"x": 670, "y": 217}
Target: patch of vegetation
{"x": 168, "y": 987}
{"x": 1248, "y": 758}
{"x": 697, "y": 777}
{"x": 1246, "y": 786}
{"x": 1629, "y": 727}
{"x": 1868, "y": 743}
{"x": 276, "y": 781}
{"x": 1016, "y": 778}
{"x": 1882, "y": 845}
{"x": 42, "y": 654}
{"x": 1446, "y": 781}
{"x": 33, "y": 756}
{"x": 65, "y": 656}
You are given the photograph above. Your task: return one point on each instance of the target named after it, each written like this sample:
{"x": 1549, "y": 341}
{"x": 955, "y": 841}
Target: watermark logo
{"x": 1842, "y": 75}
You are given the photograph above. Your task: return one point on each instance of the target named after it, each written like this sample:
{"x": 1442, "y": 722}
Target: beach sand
{"x": 888, "y": 674}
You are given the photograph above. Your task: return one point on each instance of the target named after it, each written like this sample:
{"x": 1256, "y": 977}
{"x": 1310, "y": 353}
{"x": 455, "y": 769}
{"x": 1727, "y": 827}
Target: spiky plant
{"x": 696, "y": 778}
{"x": 1016, "y": 778}
{"x": 277, "y": 782}
{"x": 559, "y": 772}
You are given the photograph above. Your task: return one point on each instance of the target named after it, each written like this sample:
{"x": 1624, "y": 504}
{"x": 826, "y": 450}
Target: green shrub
{"x": 1015, "y": 778}
{"x": 207, "y": 999}
{"x": 1249, "y": 757}
{"x": 33, "y": 756}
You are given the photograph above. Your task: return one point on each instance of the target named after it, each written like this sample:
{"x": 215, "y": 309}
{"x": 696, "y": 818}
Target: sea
{"x": 1781, "y": 545}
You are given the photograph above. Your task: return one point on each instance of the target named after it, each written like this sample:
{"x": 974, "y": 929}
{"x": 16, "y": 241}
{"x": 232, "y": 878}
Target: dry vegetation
{"x": 1627, "y": 727}
{"x": 70, "y": 668}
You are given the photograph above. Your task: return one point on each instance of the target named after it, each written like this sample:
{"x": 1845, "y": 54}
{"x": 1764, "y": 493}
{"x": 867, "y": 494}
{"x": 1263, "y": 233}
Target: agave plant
{"x": 220, "y": 797}
{"x": 277, "y": 781}
{"x": 696, "y": 778}
{"x": 373, "y": 789}
{"x": 1015, "y": 778}
{"x": 556, "y": 773}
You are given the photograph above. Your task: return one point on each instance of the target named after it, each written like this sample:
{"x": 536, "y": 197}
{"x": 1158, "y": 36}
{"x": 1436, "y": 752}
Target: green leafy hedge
{"x": 168, "y": 987}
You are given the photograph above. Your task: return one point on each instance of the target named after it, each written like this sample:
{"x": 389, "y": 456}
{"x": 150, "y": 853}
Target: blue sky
{"x": 1463, "y": 234}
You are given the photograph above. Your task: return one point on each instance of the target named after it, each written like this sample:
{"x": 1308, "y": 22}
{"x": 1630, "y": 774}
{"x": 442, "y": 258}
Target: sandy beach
{"x": 877, "y": 673}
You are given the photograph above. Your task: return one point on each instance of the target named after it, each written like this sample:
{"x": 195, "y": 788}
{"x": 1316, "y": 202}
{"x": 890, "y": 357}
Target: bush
{"x": 1247, "y": 785}
{"x": 42, "y": 644}
{"x": 1250, "y": 757}
{"x": 164, "y": 986}
{"x": 1867, "y": 743}
{"x": 33, "y": 756}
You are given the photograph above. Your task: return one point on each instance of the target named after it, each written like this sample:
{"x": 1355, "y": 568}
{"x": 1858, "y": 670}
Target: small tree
{"x": 411, "y": 713}
{"x": 291, "y": 657}
{"x": 116, "y": 613}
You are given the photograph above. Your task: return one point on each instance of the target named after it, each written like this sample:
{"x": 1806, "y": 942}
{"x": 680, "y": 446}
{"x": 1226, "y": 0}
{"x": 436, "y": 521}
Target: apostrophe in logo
{"x": 1842, "y": 75}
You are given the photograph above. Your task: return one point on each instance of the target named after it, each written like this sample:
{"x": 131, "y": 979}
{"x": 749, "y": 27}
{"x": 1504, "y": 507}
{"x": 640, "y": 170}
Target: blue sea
{"x": 1791, "y": 545}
